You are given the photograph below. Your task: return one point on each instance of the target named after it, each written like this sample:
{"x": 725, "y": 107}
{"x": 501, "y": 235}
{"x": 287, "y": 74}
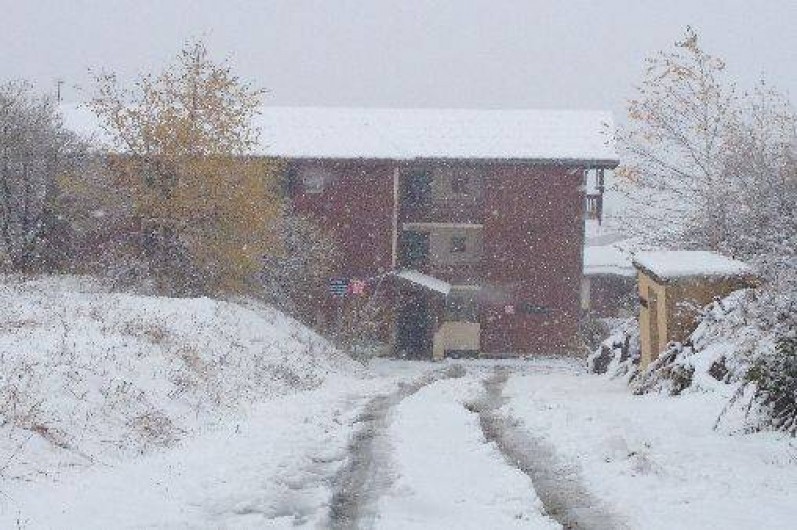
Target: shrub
{"x": 775, "y": 380}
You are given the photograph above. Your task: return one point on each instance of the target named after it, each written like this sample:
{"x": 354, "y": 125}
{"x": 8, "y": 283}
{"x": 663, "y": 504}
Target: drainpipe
{"x": 394, "y": 247}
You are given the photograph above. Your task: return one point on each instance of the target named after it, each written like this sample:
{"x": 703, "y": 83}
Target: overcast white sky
{"x": 445, "y": 53}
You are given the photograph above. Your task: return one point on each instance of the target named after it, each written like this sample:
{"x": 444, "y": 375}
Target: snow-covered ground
{"x": 278, "y": 430}
{"x": 91, "y": 378}
{"x": 446, "y": 474}
{"x": 271, "y": 468}
{"x": 654, "y": 459}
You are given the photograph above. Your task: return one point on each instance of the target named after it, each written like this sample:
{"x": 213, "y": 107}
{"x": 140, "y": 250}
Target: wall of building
{"x": 609, "y": 295}
{"x": 533, "y": 241}
{"x": 356, "y": 204}
{"x": 650, "y": 317}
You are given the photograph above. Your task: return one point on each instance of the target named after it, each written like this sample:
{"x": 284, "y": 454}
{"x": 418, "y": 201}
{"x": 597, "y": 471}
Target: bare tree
{"x": 35, "y": 152}
{"x": 673, "y": 144}
{"x": 759, "y": 207}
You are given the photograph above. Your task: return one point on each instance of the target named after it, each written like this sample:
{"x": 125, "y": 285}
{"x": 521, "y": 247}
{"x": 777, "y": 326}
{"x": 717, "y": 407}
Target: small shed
{"x": 674, "y": 285}
{"x": 609, "y": 281}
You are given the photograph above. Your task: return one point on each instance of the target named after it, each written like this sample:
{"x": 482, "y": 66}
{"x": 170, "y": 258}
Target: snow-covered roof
{"x": 673, "y": 265}
{"x": 607, "y": 259}
{"x": 400, "y": 134}
{"x": 424, "y": 280}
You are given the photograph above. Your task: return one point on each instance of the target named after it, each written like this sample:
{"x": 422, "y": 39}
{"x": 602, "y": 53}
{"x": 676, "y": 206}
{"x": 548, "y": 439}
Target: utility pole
{"x": 58, "y": 83}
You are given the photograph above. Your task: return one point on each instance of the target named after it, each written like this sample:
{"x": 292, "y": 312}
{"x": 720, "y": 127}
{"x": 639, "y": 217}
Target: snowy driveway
{"x": 473, "y": 445}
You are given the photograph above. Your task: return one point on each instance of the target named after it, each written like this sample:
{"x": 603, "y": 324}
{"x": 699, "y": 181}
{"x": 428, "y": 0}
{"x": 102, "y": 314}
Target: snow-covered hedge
{"x": 86, "y": 374}
{"x": 618, "y": 355}
{"x": 743, "y": 349}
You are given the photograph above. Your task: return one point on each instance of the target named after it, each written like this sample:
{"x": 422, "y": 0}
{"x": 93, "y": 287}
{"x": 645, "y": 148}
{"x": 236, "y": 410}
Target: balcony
{"x": 594, "y": 207}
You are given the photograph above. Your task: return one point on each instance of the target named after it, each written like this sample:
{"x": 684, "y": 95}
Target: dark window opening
{"x": 459, "y": 244}
{"x": 534, "y": 309}
{"x": 460, "y": 184}
{"x": 414, "y": 249}
{"x": 418, "y": 188}
{"x": 461, "y": 307}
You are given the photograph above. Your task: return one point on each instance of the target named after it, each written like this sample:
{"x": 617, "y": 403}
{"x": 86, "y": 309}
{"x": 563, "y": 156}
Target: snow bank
{"x": 272, "y": 470}
{"x": 619, "y": 354}
{"x": 90, "y": 376}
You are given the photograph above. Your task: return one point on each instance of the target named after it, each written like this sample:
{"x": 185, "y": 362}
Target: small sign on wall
{"x": 533, "y": 309}
{"x": 338, "y": 286}
{"x": 357, "y": 287}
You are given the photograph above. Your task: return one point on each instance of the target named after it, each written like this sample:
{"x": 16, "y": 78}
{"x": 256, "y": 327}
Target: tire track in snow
{"x": 363, "y": 477}
{"x": 558, "y": 484}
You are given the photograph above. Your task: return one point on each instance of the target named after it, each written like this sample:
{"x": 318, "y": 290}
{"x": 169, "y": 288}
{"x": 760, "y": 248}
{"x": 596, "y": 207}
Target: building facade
{"x": 465, "y": 226}
{"x": 473, "y": 248}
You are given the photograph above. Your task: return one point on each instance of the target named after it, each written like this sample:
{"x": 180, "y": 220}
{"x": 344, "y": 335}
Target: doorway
{"x": 414, "y": 249}
{"x": 414, "y": 328}
{"x": 653, "y": 322}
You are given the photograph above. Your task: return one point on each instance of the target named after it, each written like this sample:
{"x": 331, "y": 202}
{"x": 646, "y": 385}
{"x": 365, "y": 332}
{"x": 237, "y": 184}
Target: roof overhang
{"x": 424, "y": 281}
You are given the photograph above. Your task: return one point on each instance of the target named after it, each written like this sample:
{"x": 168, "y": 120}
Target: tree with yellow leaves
{"x": 201, "y": 203}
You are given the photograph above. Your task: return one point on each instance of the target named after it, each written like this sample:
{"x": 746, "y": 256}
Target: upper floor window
{"x": 460, "y": 184}
{"x": 418, "y": 187}
{"x": 315, "y": 179}
{"x": 459, "y": 244}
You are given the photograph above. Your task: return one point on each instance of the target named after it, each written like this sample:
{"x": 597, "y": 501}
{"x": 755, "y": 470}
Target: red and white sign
{"x": 357, "y": 287}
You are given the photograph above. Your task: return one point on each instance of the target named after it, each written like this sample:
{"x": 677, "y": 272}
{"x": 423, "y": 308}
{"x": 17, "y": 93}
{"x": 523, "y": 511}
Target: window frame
{"x": 315, "y": 179}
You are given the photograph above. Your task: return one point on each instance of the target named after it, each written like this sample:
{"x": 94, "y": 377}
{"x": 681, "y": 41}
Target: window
{"x": 461, "y": 307}
{"x": 315, "y": 179}
{"x": 418, "y": 188}
{"x": 459, "y": 244}
{"x": 459, "y": 184}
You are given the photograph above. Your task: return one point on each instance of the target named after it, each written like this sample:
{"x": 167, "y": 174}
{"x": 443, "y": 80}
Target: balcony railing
{"x": 594, "y": 206}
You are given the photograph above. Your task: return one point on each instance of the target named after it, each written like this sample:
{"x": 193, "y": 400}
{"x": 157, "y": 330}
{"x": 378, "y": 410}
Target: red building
{"x": 466, "y": 225}
{"x": 476, "y": 217}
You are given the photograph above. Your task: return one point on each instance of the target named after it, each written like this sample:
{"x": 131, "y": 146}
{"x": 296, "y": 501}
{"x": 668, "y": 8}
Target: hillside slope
{"x": 88, "y": 376}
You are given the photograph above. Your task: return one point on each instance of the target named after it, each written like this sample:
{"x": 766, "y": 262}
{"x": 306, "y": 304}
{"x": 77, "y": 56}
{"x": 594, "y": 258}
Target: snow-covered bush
{"x": 618, "y": 355}
{"x": 742, "y": 348}
{"x": 775, "y": 380}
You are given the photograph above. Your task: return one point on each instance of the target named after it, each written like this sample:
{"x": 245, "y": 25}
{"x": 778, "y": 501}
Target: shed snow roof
{"x": 424, "y": 280}
{"x": 673, "y": 265}
{"x": 400, "y": 134}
